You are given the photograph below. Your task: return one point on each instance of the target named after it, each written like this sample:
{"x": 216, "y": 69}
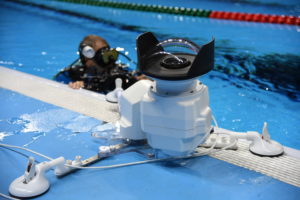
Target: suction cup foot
{"x": 261, "y": 155}
{"x": 33, "y": 183}
{"x": 32, "y": 189}
{"x": 266, "y": 148}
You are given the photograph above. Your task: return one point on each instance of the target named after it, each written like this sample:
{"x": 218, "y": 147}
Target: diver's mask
{"x": 102, "y": 57}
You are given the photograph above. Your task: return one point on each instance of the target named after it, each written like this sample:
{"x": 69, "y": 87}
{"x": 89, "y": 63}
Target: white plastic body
{"x": 259, "y": 145}
{"x": 164, "y": 87}
{"x": 38, "y": 185}
{"x": 105, "y": 151}
{"x": 176, "y": 116}
{"x": 130, "y": 121}
{"x": 30, "y": 170}
{"x": 174, "y": 120}
{"x": 61, "y": 169}
{"x": 114, "y": 95}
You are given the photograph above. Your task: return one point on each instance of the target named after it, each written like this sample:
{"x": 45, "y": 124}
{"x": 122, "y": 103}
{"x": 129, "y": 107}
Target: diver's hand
{"x": 142, "y": 77}
{"x": 76, "y": 85}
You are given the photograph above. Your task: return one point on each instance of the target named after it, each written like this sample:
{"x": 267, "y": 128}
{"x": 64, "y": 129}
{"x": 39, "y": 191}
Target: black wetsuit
{"x": 102, "y": 82}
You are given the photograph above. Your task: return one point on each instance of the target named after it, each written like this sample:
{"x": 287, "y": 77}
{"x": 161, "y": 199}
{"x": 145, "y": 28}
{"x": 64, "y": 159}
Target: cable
{"x": 229, "y": 145}
{"x": 8, "y": 197}
{"x": 127, "y": 57}
{"x": 215, "y": 121}
{"x": 217, "y": 126}
{"x": 117, "y": 165}
{"x": 26, "y": 149}
{"x": 131, "y": 163}
{"x": 139, "y": 162}
{"x": 22, "y": 154}
{"x": 210, "y": 150}
{"x": 18, "y": 152}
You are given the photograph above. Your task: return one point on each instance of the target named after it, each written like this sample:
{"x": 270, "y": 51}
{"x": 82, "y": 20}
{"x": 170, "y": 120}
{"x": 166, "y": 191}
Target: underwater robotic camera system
{"x": 172, "y": 112}
{"x": 170, "y": 115}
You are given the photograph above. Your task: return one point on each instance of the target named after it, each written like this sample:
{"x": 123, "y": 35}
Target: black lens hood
{"x": 165, "y": 67}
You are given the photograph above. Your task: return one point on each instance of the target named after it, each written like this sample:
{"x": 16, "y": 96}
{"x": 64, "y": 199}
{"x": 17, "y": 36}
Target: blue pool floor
{"x": 58, "y": 132}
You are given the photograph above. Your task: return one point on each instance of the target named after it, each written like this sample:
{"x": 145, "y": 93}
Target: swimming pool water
{"x": 46, "y": 41}
{"x": 255, "y": 80}
{"x": 58, "y": 132}
{"x": 290, "y": 7}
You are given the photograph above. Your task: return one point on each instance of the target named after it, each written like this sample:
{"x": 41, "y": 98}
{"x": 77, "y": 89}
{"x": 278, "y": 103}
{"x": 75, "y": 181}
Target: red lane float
{"x": 263, "y": 18}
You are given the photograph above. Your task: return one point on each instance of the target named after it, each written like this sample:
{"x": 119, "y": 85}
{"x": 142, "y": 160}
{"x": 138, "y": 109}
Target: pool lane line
{"x": 238, "y": 16}
{"x": 262, "y": 18}
{"x": 131, "y": 28}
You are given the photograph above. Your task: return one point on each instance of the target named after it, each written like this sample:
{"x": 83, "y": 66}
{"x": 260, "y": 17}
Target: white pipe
{"x": 45, "y": 166}
{"x": 250, "y": 135}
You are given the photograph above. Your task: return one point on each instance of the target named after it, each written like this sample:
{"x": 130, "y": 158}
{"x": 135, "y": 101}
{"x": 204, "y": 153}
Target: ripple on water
{"x": 49, "y": 120}
{"x": 4, "y": 134}
{"x": 39, "y": 124}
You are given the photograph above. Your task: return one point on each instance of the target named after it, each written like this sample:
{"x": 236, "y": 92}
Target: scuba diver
{"x": 96, "y": 68}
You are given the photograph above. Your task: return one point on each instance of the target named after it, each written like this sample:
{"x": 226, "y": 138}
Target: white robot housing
{"x": 172, "y": 112}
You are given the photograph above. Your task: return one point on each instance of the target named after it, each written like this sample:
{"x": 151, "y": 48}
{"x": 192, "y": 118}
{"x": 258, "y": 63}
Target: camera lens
{"x": 175, "y": 62}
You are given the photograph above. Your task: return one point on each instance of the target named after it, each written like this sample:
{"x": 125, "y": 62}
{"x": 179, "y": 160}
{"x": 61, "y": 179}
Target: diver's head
{"x": 94, "y": 51}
